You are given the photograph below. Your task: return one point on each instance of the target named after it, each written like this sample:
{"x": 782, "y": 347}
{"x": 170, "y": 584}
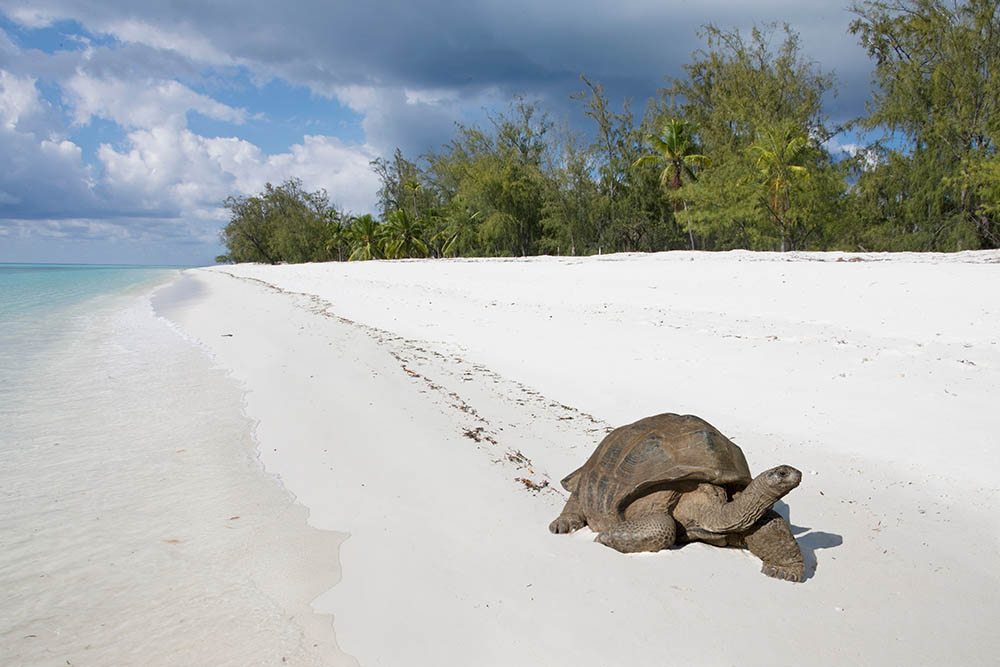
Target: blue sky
{"x": 123, "y": 127}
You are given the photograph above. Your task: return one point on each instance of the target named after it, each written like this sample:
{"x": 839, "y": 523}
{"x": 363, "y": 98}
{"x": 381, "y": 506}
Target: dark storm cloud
{"x": 121, "y": 61}
{"x": 513, "y": 46}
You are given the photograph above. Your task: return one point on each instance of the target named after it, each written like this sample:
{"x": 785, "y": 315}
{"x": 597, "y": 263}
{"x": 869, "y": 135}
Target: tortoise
{"x": 674, "y": 478}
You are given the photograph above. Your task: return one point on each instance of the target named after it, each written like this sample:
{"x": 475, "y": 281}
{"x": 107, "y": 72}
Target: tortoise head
{"x": 780, "y": 480}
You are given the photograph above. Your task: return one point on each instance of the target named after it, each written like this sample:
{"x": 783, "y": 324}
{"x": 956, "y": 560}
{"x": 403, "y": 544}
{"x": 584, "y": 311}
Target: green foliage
{"x": 980, "y": 176}
{"x": 338, "y": 236}
{"x": 738, "y": 146}
{"x": 631, "y": 212}
{"x": 781, "y": 154}
{"x": 401, "y": 186}
{"x": 679, "y": 155}
{"x": 401, "y": 236}
{"x": 738, "y": 84}
{"x": 281, "y": 224}
{"x": 248, "y": 234}
{"x": 937, "y": 84}
{"x": 457, "y": 233}
{"x": 366, "y": 235}
{"x": 905, "y": 203}
{"x": 569, "y": 217}
{"x": 495, "y": 177}
{"x": 759, "y": 116}
{"x": 676, "y": 151}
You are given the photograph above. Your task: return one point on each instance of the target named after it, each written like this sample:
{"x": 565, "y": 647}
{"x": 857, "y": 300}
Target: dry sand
{"x": 414, "y": 405}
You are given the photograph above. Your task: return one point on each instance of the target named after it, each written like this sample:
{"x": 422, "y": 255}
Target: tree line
{"x": 730, "y": 155}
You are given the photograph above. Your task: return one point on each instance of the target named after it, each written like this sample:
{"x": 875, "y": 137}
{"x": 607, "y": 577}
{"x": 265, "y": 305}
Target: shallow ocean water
{"x": 137, "y": 525}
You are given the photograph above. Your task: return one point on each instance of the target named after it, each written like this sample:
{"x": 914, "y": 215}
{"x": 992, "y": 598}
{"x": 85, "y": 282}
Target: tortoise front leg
{"x": 771, "y": 540}
{"x": 647, "y": 532}
{"x": 570, "y": 519}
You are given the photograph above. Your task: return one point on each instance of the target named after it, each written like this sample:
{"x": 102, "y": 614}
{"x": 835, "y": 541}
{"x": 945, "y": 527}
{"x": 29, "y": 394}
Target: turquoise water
{"x": 28, "y": 289}
{"x": 124, "y": 459}
{"x": 40, "y": 303}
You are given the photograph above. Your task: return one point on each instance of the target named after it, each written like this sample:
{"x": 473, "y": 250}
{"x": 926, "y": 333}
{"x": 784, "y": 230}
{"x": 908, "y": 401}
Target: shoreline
{"x": 289, "y": 561}
{"x": 140, "y": 527}
{"x": 406, "y": 403}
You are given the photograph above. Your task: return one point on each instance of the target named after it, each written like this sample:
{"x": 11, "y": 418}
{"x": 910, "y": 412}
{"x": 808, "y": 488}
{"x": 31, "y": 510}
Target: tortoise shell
{"x": 652, "y": 453}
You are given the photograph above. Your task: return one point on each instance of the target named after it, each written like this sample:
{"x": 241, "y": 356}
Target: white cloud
{"x": 6, "y": 45}
{"x": 166, "y": 168}
{"x": 361, "y": 99}
{"x": 326, "y": 162}
{"x": 32, "y": 17}
{"x": 413, "y": 120}
{"x": 70, "y": 228}
{"x": 18, "y": 98}
{"x": 163, "y": 181}
{"x": 144, "y": 103}
{"x": 190, "y": 43}
{"x": 429, "y": 96}
{"x": 61, "y": 150}
{"x": 39, "y": 171}
{"x": 869, "y": 156}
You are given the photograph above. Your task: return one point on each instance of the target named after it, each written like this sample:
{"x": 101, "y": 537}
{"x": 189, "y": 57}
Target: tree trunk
{"x": 688, "y": 218}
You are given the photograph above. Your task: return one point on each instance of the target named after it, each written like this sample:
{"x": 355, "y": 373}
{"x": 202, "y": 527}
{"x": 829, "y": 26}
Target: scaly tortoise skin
{"x": 675, "y": 478}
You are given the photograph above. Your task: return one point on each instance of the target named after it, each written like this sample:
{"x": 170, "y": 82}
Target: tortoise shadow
{"x": 809, "y": 540}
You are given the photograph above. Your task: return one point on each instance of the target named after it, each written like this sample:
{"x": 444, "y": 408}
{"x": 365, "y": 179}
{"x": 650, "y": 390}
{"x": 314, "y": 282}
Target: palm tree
{"x": 338, "y": 234}
{"x": 367, "y": 238}
{"x": 677, "y": 151}
{"x": 460, "y": 231}
{"x": 413, "y": 186}
{"x": 780, "y": 154}
{"x": 401, "y": 234}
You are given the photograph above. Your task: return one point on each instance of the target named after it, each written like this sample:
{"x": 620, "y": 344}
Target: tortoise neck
{"x": 743, "y": 511}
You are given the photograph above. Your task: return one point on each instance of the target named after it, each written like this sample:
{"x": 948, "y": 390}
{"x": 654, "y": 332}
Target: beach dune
{"x": 428, "y": 409}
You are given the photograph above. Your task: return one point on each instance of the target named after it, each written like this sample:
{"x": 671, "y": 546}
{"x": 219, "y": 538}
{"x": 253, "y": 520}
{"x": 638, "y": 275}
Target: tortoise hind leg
{"x": 647, "y": 532}
{"x": 771, "y": 540}
{"x": 570, "y": 519}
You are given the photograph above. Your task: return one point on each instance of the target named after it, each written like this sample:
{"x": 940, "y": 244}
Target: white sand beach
{"x": 416, "y": 406}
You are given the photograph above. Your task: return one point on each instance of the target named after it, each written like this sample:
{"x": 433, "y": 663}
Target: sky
{"x": 125, "y": 125}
